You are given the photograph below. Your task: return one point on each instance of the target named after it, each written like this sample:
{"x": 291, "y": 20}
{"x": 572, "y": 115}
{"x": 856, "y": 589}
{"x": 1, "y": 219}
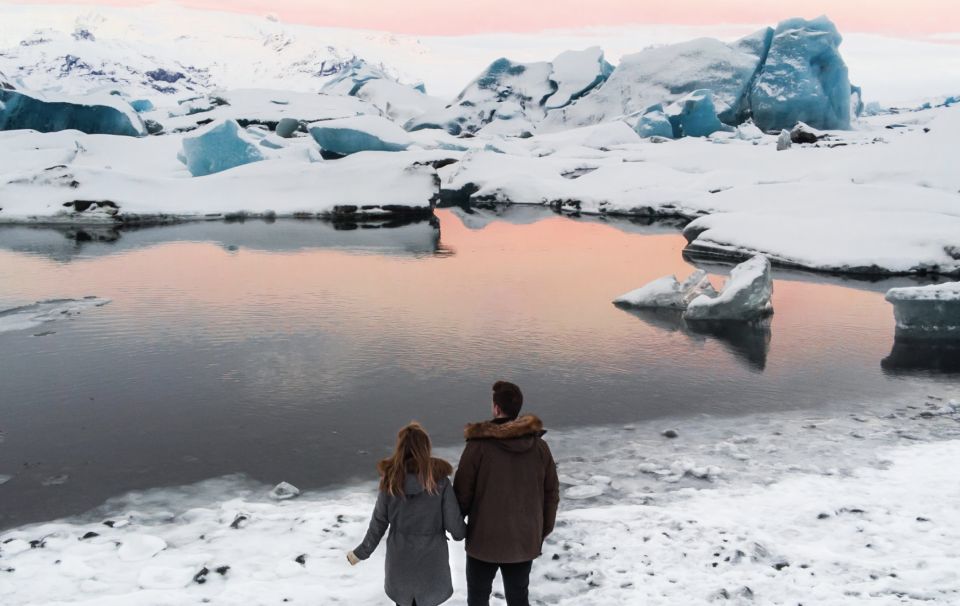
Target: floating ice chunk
{"x": 745, "y": 296}
{"x": 667, "y": 292}
{"x": 219, "y": 147}
{"x": 137, "y": 547}
{"x": 654, "y": 123}
{"x": 347, "y": 136}
{"x": 803, "y": 79}
{"x": 927, "y": 311}
{"x": 160, "y": 577}
{"x": 284, "y": 491}
{"x": 696, "y": 114}
{"x": 4, "y": 479}
{"x": 35, "y": 314}
{"x": 94, "y": 115}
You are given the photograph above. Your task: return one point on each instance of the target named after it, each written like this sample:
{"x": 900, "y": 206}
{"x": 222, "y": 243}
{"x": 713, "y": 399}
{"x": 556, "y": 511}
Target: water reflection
{"x": 919, "y": 356}
{"x": 65, "y": 243}
{"x": 749, "y": 342}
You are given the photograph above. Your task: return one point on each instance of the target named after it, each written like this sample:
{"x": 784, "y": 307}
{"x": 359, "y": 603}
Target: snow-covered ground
{"x": 849, "y": 506}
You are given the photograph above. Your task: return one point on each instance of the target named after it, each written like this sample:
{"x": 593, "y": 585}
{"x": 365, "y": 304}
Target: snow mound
{"x": 669, "y": 293}
{"x": 219, "y": 147}
{"x": 803, "y": 79}
{"x": 139, "y": 547}
{"x": 927, "y": 311}
{"x": 745, "y": 296}
{"x": 42, "y": 312}
{"x": 347, "y": 136}
{"x": 94, "y": 115}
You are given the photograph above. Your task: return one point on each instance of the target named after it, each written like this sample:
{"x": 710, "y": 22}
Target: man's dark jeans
{"x": 516, "y": 582}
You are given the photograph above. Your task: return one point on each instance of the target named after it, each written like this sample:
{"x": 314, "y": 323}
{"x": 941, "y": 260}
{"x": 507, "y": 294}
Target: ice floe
{"x": 669, "y": 293}
{"x": 31, "y": 316}
{"x": 927, "y": 311}
{"x": 744, "y": 296}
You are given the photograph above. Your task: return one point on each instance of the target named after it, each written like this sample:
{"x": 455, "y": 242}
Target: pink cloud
{"x": 450, "y": 17}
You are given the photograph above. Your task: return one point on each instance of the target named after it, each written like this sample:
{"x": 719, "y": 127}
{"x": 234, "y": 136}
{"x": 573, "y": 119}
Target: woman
{"x": 416, "y": 501}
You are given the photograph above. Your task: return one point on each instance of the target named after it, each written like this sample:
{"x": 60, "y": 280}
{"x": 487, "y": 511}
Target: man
{"x": 507, "y": 484}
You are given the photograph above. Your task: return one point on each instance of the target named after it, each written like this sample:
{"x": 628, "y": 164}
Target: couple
{"x": 506, "y": 485}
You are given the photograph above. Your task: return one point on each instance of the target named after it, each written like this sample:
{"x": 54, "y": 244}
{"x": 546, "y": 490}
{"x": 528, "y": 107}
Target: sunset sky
{"x": 446, "y": 17}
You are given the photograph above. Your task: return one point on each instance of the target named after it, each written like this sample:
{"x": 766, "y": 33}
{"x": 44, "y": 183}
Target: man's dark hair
{"x": 508, "y": 398}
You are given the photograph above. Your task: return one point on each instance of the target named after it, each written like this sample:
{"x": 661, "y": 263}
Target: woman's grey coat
{"x": 418, "y": 563}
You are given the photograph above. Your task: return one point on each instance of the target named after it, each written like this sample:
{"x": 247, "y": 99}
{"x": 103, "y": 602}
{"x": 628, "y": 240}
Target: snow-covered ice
{"x": 26, "y": 317}
{"x": 669, "y": 293}
{"x": 927, "y": 311}
{"x": 744, "y": 296}
{"x": 218, "y": 147}
{"x": 94, "y": 114}
{"x": 347, "y": 136}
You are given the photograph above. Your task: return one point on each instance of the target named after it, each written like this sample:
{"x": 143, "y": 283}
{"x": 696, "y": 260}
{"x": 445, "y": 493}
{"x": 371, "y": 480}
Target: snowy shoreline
{"x": 830, "y": 506}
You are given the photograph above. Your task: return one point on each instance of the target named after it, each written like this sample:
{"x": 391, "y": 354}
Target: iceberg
{"x": 695, "y": 115}
{"x": 400, "y": 102}
{"x": 804, "y": 78}
{"x": 927, "y": 311}
{"x": 668, "y": 293}
{"x": 95, "y": 115}
{"x": 286, "y": 127}
{"x": 142, "y": 105}
{"x": 218, "y": 147}
{"x": 345, "y": 136}
{"x": 665, "y": 74}
{"x": 748, "y": 131}
{"x": 520, "y": 90}
{"x": 654, "y": 123}
{"x": 745, "y": 296}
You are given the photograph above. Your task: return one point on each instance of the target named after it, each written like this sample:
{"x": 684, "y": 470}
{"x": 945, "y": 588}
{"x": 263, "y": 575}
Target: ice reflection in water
{"x": 292, "y": 351}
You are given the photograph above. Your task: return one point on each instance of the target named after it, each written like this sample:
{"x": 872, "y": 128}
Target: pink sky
{"x": 455, "y": 17}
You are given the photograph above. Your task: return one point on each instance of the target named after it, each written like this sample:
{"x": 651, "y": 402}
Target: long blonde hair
{"x": 412, "y": 454}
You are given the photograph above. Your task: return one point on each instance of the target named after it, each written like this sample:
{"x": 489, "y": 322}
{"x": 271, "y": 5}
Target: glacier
{"x": 804, "y": 78}
{"x": 218, "y": 147}
{"x": 347, "y": 136}
{"x": 744, "y": 297}
{"x": 94, "y": 115}
{"x": 927, "y": 311}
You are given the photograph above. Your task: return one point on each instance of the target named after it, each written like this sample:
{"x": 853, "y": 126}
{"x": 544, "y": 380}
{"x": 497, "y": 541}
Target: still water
{"x": 293, "y": 351}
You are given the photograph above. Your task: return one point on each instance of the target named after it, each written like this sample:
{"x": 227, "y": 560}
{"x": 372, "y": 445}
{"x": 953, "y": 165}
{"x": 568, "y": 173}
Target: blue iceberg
{"x": 219, "y": 147}
{"x": 804, "y": 78}
{"x": 654, "y": 123}
{"x": 104, "y": 116}
{"x": 142, "y": 105}
{"x": 696, "y": 115}
{"x": 345, "y": 136}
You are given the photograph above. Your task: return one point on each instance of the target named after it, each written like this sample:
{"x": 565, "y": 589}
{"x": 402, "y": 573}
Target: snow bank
{"x": 347, "y": 136}
{"x": 745, "y": 295}
{"x": 31, "y": 316}
{"x": 927, "y": 311}
{"x": 854, "y": 506}
{"x": 95, "y": 114}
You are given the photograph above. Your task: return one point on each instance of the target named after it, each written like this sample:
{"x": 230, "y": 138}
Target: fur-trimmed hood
{"x": 521, "y": 427}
